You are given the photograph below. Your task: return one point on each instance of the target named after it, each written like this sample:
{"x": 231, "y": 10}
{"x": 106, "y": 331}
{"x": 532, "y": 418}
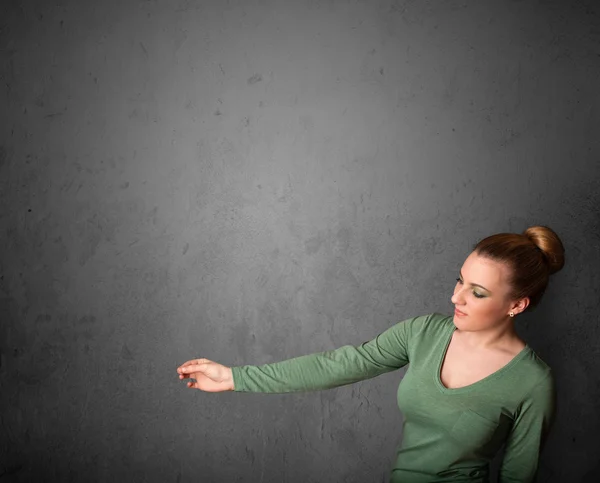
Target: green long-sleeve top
{"x": 448, "y": 435}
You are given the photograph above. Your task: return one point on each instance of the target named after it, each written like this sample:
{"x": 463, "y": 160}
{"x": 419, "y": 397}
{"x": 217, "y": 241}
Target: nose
{"x": 457, "y": 298}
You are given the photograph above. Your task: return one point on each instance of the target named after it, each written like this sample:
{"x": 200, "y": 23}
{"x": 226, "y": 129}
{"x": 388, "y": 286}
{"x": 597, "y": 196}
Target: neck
{"x": 498, "y": 336}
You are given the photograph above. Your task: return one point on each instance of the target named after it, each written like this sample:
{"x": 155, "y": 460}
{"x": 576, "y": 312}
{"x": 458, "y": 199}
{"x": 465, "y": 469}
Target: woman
{"x": 472, "y": 385}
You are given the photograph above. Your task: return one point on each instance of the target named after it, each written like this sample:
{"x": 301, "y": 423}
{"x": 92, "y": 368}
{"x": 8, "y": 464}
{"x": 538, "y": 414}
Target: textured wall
{"x": 252, "y": 181}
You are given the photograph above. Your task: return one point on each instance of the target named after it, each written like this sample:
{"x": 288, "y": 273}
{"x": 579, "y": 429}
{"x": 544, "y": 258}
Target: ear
{"x": 520, "y": 305}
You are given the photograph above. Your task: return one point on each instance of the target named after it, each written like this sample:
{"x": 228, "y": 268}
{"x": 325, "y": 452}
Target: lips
{"x": 458, "y": 312}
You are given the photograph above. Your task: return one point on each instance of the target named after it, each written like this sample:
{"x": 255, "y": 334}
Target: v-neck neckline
{"x": 480, "y": 382}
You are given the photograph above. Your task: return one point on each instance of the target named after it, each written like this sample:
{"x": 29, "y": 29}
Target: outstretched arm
{"x": 346, "y": 365}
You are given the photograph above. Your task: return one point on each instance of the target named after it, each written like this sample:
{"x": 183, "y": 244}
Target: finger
{"x": 187, "y": 363}
{"x": 192, "y": 368}
{"x": 191, "y": 374}
{"x": 192, "y": 362}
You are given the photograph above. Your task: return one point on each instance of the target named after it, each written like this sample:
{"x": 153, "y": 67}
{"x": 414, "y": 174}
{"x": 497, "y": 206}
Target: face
{"x": 482, "y": 294}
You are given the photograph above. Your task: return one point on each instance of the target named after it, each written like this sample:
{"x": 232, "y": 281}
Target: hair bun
{"x": 549, "y": 244}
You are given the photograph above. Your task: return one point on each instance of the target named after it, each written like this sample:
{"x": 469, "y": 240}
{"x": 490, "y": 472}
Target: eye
{"x": 477, "y": 295}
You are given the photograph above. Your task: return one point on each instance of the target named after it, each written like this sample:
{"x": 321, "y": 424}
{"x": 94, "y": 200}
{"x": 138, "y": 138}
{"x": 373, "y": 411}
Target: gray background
{"x": 253, "y": 181}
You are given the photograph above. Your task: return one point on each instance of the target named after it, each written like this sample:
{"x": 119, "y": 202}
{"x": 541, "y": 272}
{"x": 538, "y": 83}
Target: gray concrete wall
{"x": 252, "y": 181}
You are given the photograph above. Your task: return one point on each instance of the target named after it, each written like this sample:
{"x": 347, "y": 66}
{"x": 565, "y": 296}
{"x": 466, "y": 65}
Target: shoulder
{"x": 426, "y": 325}
{"x": 537, "y": 370}
{"x": 536, "y": 379}
{"x": 436, "y": 322}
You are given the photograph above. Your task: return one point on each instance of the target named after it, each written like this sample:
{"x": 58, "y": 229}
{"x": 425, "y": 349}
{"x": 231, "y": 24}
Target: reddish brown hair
{"x": 533, "y": 256}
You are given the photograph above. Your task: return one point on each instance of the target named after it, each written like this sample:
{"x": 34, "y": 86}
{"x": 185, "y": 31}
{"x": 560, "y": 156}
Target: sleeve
{"x": 325, "y": 370}
{"x": 529, "y": 433}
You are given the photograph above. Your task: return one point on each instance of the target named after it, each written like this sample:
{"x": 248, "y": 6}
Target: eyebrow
{"x": 475, "y": 284}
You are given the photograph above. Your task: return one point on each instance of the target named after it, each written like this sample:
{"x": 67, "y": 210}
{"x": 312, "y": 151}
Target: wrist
{"x": 231, "y": 381}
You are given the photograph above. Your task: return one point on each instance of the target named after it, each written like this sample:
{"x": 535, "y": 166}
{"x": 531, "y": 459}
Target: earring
{"x": 512, "y": 314}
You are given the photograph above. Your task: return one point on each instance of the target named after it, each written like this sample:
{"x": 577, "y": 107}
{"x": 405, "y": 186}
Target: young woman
{"x": 472, "y": 386}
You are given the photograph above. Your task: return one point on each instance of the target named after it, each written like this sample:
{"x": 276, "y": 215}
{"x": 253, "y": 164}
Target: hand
{"x": 210, "y": 376}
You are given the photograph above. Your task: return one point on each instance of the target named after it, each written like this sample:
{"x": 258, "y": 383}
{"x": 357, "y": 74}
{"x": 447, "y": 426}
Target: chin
{"x": 459, "y": 320}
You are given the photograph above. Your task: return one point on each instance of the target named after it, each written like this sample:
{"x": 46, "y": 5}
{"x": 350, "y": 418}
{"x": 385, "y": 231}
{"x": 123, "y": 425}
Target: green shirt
{"x": 448, "y": 435}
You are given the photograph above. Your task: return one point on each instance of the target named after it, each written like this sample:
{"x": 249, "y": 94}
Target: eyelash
{"x": 479, "y": 296}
